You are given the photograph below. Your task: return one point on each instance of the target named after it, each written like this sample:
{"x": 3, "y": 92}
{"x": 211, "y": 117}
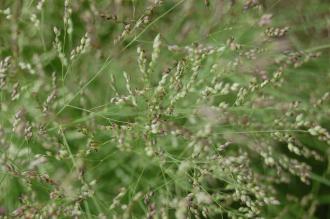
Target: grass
{"x": 222, "y": 112}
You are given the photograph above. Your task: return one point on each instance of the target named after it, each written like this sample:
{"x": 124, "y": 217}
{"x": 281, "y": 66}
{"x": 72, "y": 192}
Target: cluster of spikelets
{"x": 208, "y": 136}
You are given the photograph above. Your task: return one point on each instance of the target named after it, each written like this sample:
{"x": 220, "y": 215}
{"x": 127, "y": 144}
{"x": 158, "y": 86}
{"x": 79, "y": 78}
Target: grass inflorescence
{"x": 164, "y": 109}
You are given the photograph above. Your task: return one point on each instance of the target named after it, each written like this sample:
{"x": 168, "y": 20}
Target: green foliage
{"x": 164, "y": 109}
